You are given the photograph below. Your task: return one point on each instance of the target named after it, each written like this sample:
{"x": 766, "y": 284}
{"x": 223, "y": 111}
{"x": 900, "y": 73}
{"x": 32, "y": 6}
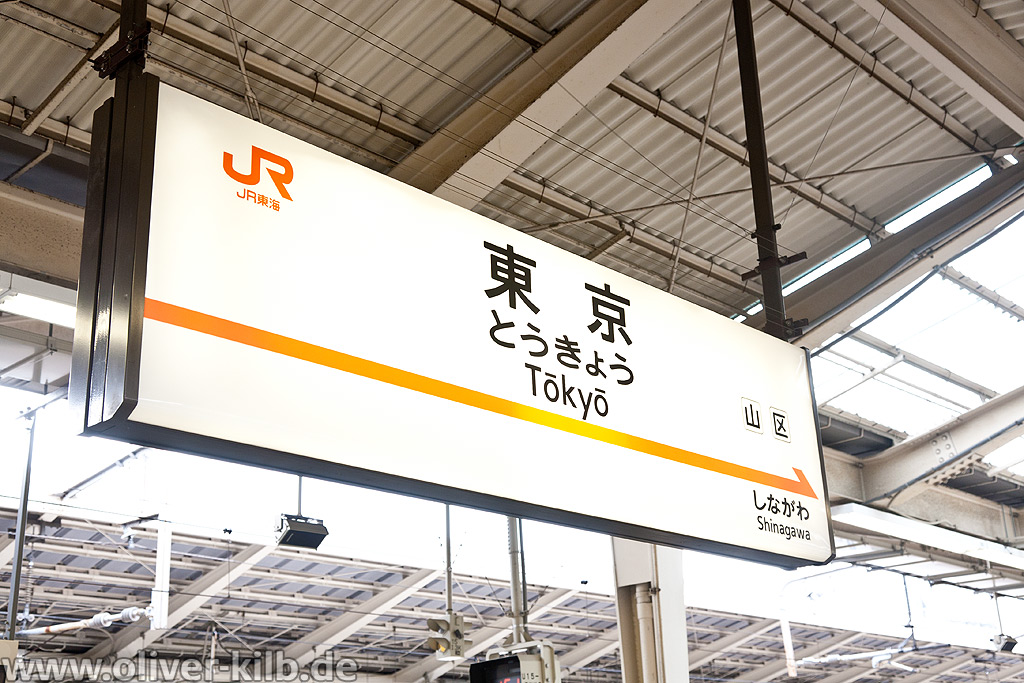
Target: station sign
{"x": 291, "y": 309}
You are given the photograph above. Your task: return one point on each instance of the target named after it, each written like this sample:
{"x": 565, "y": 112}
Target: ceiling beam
{"x": 513, "y": 23}
{"x": 661, "y": 246}
{"x": 966, "y": 45}
{"x": 185, "y": 600}
{"x": 1007, "y": 674}
{"x": 76, "y": 76}
{"x": 1006, "y": 561}
{"x": 940, "y": 669}
{"x": 984, "y": 293}
{"x": 870, "y": 64}
{"x": 304, "y": 85}
{"x": 590, "y": 651}
{"x": 855, "y": 671}
{"x": 7, "y": 548}
{"x": 903, "y": 471}
{"x": 330, "y": 634}
{"x": 61, "y": 131}
{"x": 429, "y": 668}
{"x": 170, "y": 73}
{"x": 34, "y": 338}
{"x": 922, "y": 364}
{"x": 480, "y": 147}
{"x": 776, "y": 668}
{"x": 737, "y": 151}
{"x": 54, "y": 21}
{"x": 835, "y": 300}
{"x": 707, "y": 652}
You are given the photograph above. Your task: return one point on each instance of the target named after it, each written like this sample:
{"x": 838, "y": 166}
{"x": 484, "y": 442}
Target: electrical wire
{"x": 553, "y": 135}
{"x": 655, "y": 279}
{"x": 419, "y": 64}
{"x": 269, "y": 87}
{"x": 835, "y": 114}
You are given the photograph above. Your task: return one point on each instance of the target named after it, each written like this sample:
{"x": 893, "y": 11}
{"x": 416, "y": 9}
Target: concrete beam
{"x": 130, "y": 639}
{"x": 480, "y": 147}
{"x": 336, "y": 631}
{"x": 966, "y": 45}
{"x": 42, "y": 236}
{"x": 429, "y": 668}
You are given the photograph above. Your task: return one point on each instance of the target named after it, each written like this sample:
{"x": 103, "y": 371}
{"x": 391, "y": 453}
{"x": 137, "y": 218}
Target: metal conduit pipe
{"x": 128, "y": 615}
{"x": 645, "y": 619}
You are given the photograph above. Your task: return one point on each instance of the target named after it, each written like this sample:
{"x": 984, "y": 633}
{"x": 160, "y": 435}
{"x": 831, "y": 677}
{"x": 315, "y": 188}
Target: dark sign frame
{"x": 108, "y": 338}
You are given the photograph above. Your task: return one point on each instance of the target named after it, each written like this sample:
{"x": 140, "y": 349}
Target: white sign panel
{"x": 301, "y": 303}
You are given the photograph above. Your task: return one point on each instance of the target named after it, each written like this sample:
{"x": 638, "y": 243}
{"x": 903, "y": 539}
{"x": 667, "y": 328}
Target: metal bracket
{"x": 795, "y": 328}
{"x": 124, "y": 50}
{"x": 773, "y": 263}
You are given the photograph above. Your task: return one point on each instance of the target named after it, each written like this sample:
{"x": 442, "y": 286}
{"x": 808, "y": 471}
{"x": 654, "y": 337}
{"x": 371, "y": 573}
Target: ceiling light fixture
{"x": 30, "y": 298}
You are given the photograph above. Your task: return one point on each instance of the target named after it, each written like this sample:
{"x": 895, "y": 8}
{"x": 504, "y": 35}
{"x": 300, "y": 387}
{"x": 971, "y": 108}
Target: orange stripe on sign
{"x": 294, "y": 348}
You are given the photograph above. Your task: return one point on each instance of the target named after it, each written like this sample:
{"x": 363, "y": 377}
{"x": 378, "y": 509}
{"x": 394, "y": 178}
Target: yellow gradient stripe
{"x": 286, "y": 346}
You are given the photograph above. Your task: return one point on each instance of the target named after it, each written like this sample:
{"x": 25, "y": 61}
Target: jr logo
{"x": 280, "y": 177}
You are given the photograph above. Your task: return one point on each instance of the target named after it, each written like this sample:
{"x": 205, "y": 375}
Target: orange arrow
{"x": 286, "y": 346}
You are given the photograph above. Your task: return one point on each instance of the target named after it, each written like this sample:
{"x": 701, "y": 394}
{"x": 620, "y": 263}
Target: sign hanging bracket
{"x": 128, "y": 49}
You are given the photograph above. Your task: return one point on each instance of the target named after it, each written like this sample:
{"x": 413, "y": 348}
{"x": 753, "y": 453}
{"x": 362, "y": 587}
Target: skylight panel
{"x": 810, "y": 276}
{"x": 832, "y": 375}
{"x": 895, "y": 405}
{"x": 956, "y": 396}
{"x": 996, "y": 264}
{"x": 950, "y": 326}
{"x": 1009, "y": 457}
{"x": 939, "y": 200}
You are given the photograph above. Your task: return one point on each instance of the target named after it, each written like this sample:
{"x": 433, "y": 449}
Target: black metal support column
{"x": 104, "y": 376}
{"x": 764, "y": 214}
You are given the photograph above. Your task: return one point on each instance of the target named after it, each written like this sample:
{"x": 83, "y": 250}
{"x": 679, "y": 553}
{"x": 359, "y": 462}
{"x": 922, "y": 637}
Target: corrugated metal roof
{"x": 423, "y": 63}
{"x": 1008, "y": 13}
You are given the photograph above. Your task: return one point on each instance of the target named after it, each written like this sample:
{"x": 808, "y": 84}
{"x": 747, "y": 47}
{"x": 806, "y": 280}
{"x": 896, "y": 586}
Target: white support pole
{"x": 652, "y": 612}
{"x": 162, "y": 581}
